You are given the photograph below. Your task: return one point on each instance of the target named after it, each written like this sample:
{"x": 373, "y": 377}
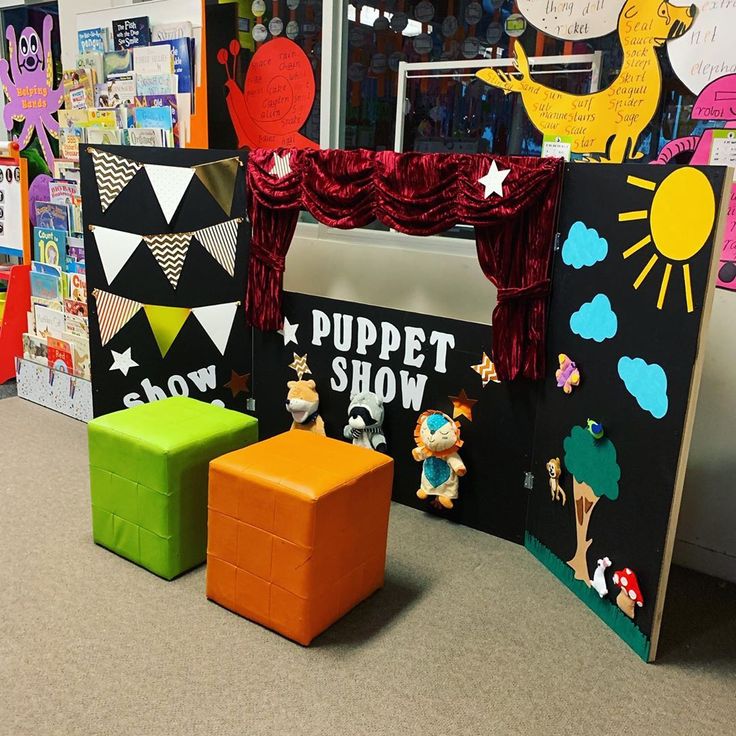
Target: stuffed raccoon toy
{"x": 365, "y": 421}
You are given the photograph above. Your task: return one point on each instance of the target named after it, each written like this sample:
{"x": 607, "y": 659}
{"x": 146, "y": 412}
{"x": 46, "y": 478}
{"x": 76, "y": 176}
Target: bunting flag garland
{"x": 170, "y": 251}
{"x": 166, "y": 324}
{"x": 220, "y": 242}
{"x": 115, "y": 248}
{"x": 113, "y": 313}
{"x": 169, "y": 183}
{"x": 113, "y": 173}
{"x": 217, "y": 321}
{"x": 219, "y": 179}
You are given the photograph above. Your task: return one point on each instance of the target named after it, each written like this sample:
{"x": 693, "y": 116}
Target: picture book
{"x": 75, "y": 308}
{"x": 78, "y": 287}
{"x": 56, "y": 305}
{"x": 117, "y": 62}
{"x": 78, "y": 85}
{"x": 75, "y": 215}
{"x": 35, "y": 349}
{"x": 92, "y": 39}
{"x": 73, "y": 119}
{"x": 48, "y": 239}
{"x": 80, "y": 349}
{"x": 77, "y": 326}
{"x": 60, "y": 356}
{"x": 152, "y": 137}
{"x": 69, "y": 140}
{"x": 130, "y": 32}
{"x": 167, "y": 31}
{"x": 61, "y": 191}
{"x": 117, "y": 90}
{"x": 52, "y": 216}
{"x": 31, "y": 322}
{"x": 102, "y": 118}
{"x": 94, "y": 61}
{"x": 154, "y": 117}
{"x": 156, "y": 84}
{"x": 171, "y": 101}
{"x": 75, "y": 249}
{"x": 65, "y": 169}
{"x": 45, "y": 286}
{"x": 182, "y": 48}
{"x": 49, "y": 322}
{"x": 103, "y": 136}
{"x": 47, "y": 268}
{"x": 153, "y": 60}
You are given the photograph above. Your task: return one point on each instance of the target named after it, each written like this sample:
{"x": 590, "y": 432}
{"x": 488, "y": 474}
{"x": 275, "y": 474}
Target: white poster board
{"x": 11, "y": 213}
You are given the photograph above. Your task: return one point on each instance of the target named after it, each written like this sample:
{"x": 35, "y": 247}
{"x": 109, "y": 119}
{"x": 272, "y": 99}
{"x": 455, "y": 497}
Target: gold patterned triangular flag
{"x": 220, "y": 242}
{"x": 113, "y": 313}
{"x": 113, "y": 173}
{"x": 170, "y": 251}
{"x": 219, "y": 179}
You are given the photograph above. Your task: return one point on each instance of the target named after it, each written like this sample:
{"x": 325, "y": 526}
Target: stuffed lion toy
{"x": 438, "y": 440}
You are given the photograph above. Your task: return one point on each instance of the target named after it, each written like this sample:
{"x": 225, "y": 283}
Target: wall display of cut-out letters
{"x": 631, "y": 294}
{"x": 604, "y": 125}
{"x": 414, "y": 362}
{"x": 167, "y": 252}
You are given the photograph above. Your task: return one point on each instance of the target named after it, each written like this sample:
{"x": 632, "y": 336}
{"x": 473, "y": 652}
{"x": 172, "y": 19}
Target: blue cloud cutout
{"x": 595, "y": 320}
{"x": 647, "y": 383}
{"x": 583, "y": 246}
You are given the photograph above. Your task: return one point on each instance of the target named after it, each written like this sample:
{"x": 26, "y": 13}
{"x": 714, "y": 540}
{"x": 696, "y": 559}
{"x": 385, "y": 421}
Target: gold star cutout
{"x": 238, "y": 384}
{"x": 300, "y": 365}
{"x": 486, "y": 370}
{"x": 462, "y": 406}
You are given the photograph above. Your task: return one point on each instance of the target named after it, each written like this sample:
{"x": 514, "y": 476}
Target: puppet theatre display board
{"x": 413, "y": 362}
{"x": 167, "y": 256}
{"x": 632, "y": 287}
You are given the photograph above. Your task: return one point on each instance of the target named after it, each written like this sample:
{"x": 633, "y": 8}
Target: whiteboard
{"x": 11, "y": 212}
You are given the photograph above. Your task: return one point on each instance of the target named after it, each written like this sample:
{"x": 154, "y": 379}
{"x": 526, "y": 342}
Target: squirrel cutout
{"x": 554, "y": 470}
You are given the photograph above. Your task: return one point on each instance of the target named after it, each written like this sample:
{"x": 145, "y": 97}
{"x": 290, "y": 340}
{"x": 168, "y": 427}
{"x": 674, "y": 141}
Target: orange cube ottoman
{"x": 297, "y": 531}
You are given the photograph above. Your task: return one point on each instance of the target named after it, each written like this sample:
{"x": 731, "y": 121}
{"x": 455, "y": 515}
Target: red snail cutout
{"x": 276, "y": 98}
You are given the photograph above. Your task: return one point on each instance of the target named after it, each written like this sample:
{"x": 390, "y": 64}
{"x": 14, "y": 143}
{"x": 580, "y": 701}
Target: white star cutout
{"x": 122, "y": 362}
{"x": 281, "y": 165}
{"x": 289, "y": 332}
{"x": 493, "y": 180}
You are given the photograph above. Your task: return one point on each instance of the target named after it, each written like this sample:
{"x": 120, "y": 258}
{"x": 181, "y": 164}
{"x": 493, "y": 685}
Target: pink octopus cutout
{"x": 32, "y": 98}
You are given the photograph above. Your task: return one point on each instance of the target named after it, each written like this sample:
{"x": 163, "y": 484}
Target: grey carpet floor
{"x": 470, "y": 635}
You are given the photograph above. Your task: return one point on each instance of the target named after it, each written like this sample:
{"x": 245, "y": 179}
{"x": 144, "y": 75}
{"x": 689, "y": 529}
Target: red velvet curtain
{"x": 418, "y": 194}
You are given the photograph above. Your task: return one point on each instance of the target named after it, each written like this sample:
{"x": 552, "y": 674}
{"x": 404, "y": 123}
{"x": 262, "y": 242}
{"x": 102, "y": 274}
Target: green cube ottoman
{"x": 148, "y": 478}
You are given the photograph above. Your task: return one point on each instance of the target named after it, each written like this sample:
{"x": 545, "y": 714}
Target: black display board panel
{"x": 630, "y": 530}
{"x": 202, "y": 282}
{"x": 497, "y": 443}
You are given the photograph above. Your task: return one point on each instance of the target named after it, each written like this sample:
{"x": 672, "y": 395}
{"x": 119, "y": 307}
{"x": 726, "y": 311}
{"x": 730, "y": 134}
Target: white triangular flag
{"x": 217, "y": 321}
{"x": 169, "y": 183}
{"x": 115, "y": 248}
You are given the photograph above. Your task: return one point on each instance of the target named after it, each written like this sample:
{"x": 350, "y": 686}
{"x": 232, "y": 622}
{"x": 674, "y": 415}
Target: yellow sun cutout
{"x": 681, "y": 219}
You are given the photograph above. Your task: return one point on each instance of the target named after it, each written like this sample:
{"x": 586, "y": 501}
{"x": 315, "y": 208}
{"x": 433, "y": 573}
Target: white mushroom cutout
{"x": 629, "y": 595}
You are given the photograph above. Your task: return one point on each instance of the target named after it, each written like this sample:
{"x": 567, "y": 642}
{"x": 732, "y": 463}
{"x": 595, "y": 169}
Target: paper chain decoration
{"x": 114, "y": 312}
{"x": 169, "y": 249}
{"x": 169, "y": 183}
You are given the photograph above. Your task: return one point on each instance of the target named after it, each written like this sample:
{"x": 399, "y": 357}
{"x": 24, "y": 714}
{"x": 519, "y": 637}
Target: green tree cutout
{"x": 595, "y": 472}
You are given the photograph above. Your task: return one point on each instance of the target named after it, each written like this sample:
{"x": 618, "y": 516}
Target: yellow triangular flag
{"x": 219, "y": 179}
{"x": 166, "y": 323}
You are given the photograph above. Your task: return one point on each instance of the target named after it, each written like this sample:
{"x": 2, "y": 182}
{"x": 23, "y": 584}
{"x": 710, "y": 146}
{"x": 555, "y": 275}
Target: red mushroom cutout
{"x": 629, "y": 593}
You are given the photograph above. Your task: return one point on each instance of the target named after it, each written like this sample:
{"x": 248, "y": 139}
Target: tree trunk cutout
{"x": 585, "y": 501}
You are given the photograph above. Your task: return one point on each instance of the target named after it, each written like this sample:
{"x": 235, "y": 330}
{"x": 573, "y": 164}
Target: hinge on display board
{"x": 557, "y": 242}
{"x": 529, "y": 481}
{"x": 250, "y": 404}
